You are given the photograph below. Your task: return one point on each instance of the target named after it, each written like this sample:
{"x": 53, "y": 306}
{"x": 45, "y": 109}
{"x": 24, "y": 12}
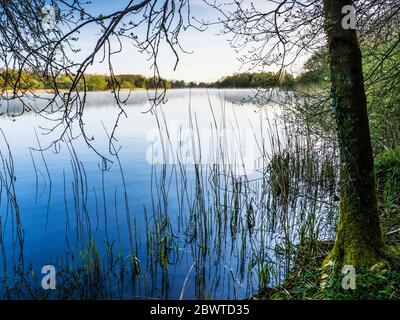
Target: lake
{"x": 175, "y": 207}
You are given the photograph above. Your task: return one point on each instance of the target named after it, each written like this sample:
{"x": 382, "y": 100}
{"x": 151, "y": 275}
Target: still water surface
{"x": 60, "y": 209}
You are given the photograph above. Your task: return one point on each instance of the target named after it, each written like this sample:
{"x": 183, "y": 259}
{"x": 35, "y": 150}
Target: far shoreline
{"x": 48, "y": 91}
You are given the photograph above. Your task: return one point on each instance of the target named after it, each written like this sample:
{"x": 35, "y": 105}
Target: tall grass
{"x": 231, "y": 230}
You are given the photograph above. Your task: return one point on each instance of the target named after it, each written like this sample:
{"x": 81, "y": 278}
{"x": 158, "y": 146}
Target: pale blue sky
{"x": 211, "y": 57}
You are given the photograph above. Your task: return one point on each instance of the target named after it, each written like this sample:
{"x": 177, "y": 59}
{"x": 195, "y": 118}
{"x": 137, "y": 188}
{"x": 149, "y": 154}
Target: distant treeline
{"x": 242, "y": 80}
{"x": 255, "y": 80}
{"x": 94, "y": 82}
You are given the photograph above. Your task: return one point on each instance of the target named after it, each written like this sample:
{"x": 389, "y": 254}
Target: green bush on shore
{"x": 371, "y": 283}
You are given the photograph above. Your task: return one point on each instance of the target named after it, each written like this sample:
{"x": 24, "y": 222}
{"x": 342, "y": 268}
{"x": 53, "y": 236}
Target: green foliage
{"x": 64, "y": 82}
{"x": 96, "y": 82}
{"x": 255, "y": 80}
{"x": 153, "y": 83}
{"x": 381, "y": 65}
{"x": 127, "y": 85}
{"x": 178, "y": 84}
{"x": 129, "y": 81}
{"x": 306, "y": 285}
{"x": 381, "y": 68}
{"x": 316, "y": 70}
{"x": 370, "y": 285}
{"x": 10, "y": 80}
{"x": 387, "y": 171}
{"x": 20, "y": 81}
{"x": 279, "y": 175}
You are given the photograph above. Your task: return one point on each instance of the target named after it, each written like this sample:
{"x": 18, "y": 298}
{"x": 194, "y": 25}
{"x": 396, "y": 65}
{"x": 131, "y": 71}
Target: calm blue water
{"x": 51, "y": 211}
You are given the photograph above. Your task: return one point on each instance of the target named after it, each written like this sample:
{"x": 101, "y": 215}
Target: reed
{"x": 233, "y": 231}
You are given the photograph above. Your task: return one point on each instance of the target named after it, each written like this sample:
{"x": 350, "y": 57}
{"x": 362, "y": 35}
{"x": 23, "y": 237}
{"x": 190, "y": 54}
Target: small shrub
{"x": 387, "y": 170}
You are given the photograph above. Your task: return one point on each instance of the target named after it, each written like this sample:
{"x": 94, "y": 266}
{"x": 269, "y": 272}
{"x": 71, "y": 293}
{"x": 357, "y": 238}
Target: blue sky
{"x": 211, "y": 54}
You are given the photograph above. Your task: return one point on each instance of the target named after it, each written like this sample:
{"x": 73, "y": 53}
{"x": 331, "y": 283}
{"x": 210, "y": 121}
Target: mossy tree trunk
{"x": 359, "y": 239}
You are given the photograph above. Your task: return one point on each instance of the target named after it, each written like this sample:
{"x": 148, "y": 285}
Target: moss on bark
{"x": 359, "y": 239}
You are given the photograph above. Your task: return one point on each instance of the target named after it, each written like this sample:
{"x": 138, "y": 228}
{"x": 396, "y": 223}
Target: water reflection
{"x": 184, "y": 226}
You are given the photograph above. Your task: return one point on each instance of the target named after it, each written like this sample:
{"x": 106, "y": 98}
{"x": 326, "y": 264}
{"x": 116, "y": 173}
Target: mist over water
{"x": 183, "y": 198}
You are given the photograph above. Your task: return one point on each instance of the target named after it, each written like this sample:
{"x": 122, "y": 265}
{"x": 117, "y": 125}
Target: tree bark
{"x": 358, "y": 239}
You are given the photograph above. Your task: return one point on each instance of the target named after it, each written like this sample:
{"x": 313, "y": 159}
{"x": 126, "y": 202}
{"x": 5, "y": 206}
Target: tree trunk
{"x": 358, "y": 239}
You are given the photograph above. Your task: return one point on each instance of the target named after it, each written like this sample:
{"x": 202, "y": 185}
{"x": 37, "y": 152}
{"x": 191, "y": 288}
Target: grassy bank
{"x": 379, "y": 282}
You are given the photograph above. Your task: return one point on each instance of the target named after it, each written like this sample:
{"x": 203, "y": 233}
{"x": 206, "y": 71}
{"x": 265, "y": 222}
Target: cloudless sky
{"x": 211, "y": 55}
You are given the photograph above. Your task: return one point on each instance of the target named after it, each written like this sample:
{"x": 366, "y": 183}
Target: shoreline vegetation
{"x": 30, "y": 81}
{"x": 381, "y": 281}
{"x": 308, "y": 278}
